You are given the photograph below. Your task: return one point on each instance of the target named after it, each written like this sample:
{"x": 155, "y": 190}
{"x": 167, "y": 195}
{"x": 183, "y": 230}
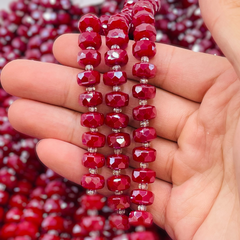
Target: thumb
{"x": 222, "y": 18}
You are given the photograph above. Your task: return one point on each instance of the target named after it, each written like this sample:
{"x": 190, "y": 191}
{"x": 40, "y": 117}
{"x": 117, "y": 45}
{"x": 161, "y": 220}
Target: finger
{"x": 180, "y": 71}
{"x": 172, "y": 111}
{"x": 222, "y": 19}
{"x": 46, "y": 121}
{"x": 66, "y": 161}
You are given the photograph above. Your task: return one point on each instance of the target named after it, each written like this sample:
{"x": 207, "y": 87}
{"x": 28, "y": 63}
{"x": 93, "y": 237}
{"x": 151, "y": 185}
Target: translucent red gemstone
{"x": 93, "y": 160}
{"x": 93, "y": 139}
{"x": 8, "y": 230}
{"x": 13, "y": 215}
{"x": 119, "y": 222}
{"x": 89, "y": 57}
{"x": 89, "y": 20}
{"x": 93, "y": 223}
{"x": 144, "y": 154}
{"x": 144, "y": 48}
{"x": 26, "y": 228}
{"x": 89, "y": 39}
{"x": 142, "y": 197}
{"x": 145, "y": 112}
{"x": 145, "y": 30}
{"x": 96, "y": 201}
{"x": 116, "y": 120}
{"x": 117, "y": 37}
{"x": 33, "y": 215}
{"x": 92, "y": 119}
{"x": 143, "y": 175}
{"x": 117, "y": 161}
{"x": 116, "y": 57}
{"x": 144, "y": 134}
{"x": 4, "y": 196}
{"x": 113, "y": 78}
{"x": 88, "y": 78}
{"x": 143, "y": 5}
{"x": 118, "y": 183}
{"x": 144, "y": 70}
{"x": 117, "y": 202}
{"x": 117, "y": 99}
{"x": 90, "y": 99}
{"x": 120, "y": 22}
{"x": 92, "y": 181}
{"x": 138, "y": 218}
{"x": 142, "y": 17}
{"x": 118, "y": 140}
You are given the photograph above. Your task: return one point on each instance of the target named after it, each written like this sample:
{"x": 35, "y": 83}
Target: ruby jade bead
{"x": 117, "y": 161}
{"x": 142, "y": 17}
{"x": 88, "y": 78}
{"x": 93, "y": 139}
{"x": 93, "y": 160}
{"x": 93, "y": 223}
{"x": 144, "y": 134}
{"x": 96, "y": 201}
{"x": 89, "y": 57}
{"x": 138, "y": 218}
{"x": 117, "y": 37}
{"x": 142, "y": 197}
{"x": 89, "y": 39}
{"x": 92, "y": 119}
{"x": 145, "y": 112}
{"x": 143, "y": 175}
{"x": 113, "y": 78}
{"x": 144, "y": 70}
{"x": 119, "y": 22}
{"x": 117, "y": 202}
{"x": 92, "y": 181}
{"x": 117, "y": 99}
{"x": 118, "y": 183}
{"x": 119, "y": 222}
{"x": 145, "y": 30}
{"x": 89, "y": 20}
{"x": 118, "y": 140}
{"x": 116, "y": 120}
{"x": 144, "y": 48}
{"x": 143, "y": 5}
{"x": 90, "y": 99}
{"x": 116, "y": 57}
{"x": 144, "y": 154}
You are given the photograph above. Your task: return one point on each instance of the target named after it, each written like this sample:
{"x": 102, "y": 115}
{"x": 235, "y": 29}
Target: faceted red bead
{"x": 119, "y": 22}
{"x": 93, "y": 139}
{"x": 143, "y": 235}
{"x": 143, "y": 175}
{"x": 89, "y": 57}
{"x": 142, "y": 197}
{"x": 144, "y": 154}
{"x": 78, "y": 231}
{"x": 113, "y": 78}
{"x": 52, "y": 222}
{"x": 52, "y": 206}
{"x": 48, "y": 236}
{"x": 8, "y": 230}
{"x": 18, "y": 200}
{"x": 142, "y": 17}
{"x": 89, "y": 39}
{"x": 117, "y": 161}
{"x": 118, "y": 140}
{"x": 156, "y": 5}
{"x": 96, "y": 201}
{"x": 144, "y": 70}
{"x": 138, "y": 218}
{"x": 118, "y": 183}
{"x": 117, "y": 202}
{"x": 89, "y": 20}
{"x": 88, "y": 78}
{"x": 117, "y": 99}
{"x": 144, "y": 48}
{"x": 143, "y": 6}
{"x": 116, "y": 120}
{"x": 92, "y": 119}
{"x": 93, "y": 223}
{"x": 26, "y": 228}
{"x": 145, "y": 112}
{"x": 119, "y": 222}
{"x": 33, "y": 215}
{"x": 13, "y": 215}
{"x": 4, "y": 196}
{"x": 144, "y": 134}
{"x": 116, "y": 57}
{"x": 93, "y": 160}
{"x": 117, "y": 37}
{"x": 90, "y": 99}
{"x": 55, "y": 187}
{"x": 145, "y": 30}
{"x": 92, "y": 181}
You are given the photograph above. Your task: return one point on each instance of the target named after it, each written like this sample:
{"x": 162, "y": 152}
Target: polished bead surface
{"x": 26, "y": 228}
{"x": 143, "y": 6}
{"x": 8, "y": 230}
{"x": 144, "y": 134}
{"x": 119, "y": 222}
{"x": 89, "y": 39}
{"x": 138, "y": 218}
{"x": 89, "y": 20}
{"x": 117, "y": 161}
{"x": 93, "y": 223}
{"x": 93, "y": 160}
{"x": 144, "y": 48}
{"x": 144, "y": 70}
{"x": 141, "y": 175}
{"x": 52, "y": 222}
{"x": 116, "y": 57}
{"x": 88, "y": 78}
{"x": 90, "y": 99}
{"x": 117, "y": 202}
{"x": 118, "y": 183}
{"x": 115, "y": 22}
{"x": 92, "y": 181}
{"x": 145, "y": 112}
{"x": 142, "y": 197}
{"x": 117, "y": 37}
{"x": 113, "y": 78}
{"x": 93, "y": 139}
{"x": 142, "y": 17}
{"x": 144, "y": 154}
{"x": 92, "y": 119}
{"x": 89, "y": 57}
{"x": 145, "y": 30}
{"x": 96, "y": 201}
{"x": 117, "y": 99}
{"x": 118, "y": 140}
{"x": 116, "y": 120}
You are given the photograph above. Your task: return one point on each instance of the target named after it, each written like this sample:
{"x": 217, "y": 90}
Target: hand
{"x": 197, "y": 101}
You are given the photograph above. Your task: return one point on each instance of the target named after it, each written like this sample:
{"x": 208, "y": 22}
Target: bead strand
{"x": 143, "y": 49}
{"x": 90, "y": 41}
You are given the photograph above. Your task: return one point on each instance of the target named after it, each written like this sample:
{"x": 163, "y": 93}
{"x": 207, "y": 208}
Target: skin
{"x": 198, "y": 106}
